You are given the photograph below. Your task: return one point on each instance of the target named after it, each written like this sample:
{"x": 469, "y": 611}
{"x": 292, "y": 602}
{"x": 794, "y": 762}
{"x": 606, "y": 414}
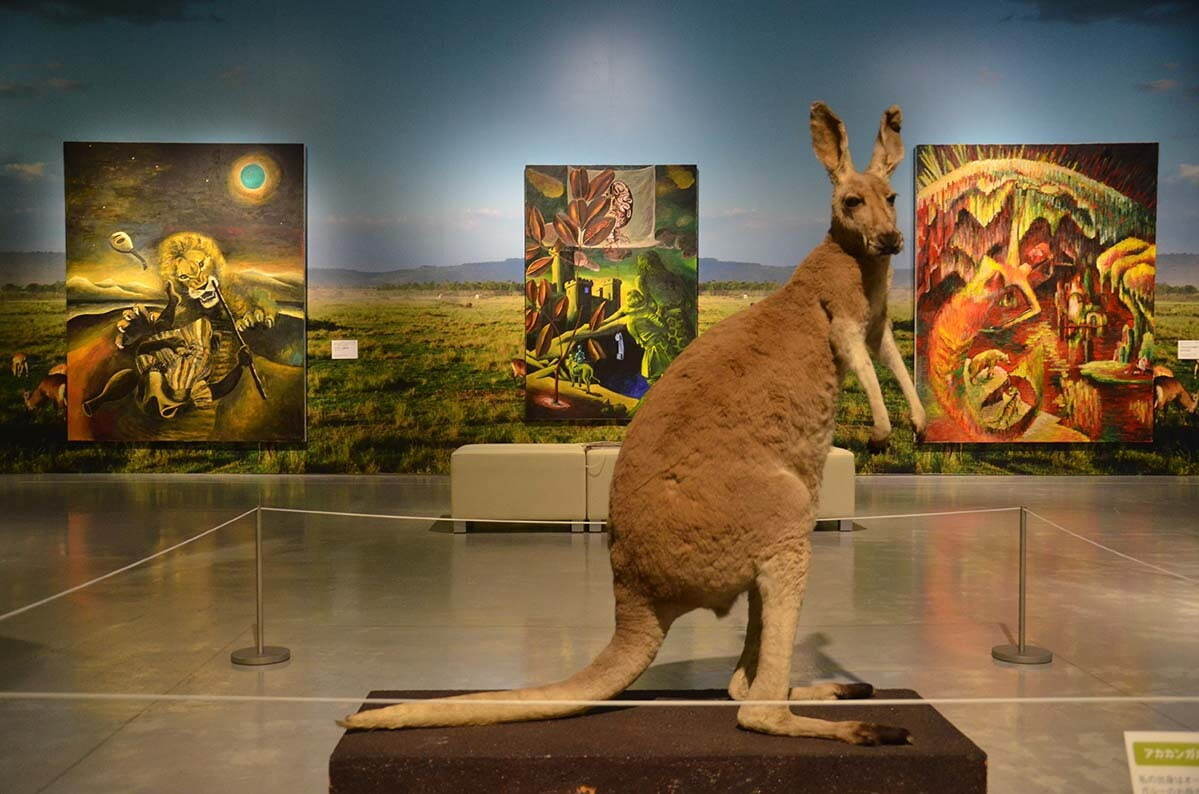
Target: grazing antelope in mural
{"x": 714, "y": 491}
{"x": 1168, "y": 390}
{"x": 52, "y": 390}
{"x": 20, "y": 365}
{"x": 58, "y": 369}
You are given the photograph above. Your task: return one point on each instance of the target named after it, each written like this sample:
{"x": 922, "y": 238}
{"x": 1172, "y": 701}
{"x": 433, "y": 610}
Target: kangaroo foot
{"x": 870, "y": 735}
{"x": 831, "y": 692}
{"x": 779, "y": 721}
{"x": 739, "y": 686}
{"x": 739, "y": 690}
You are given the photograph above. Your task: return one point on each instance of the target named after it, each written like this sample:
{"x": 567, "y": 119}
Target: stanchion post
{"x": 1022, "y": 652}
{"x": 260, "y": 654}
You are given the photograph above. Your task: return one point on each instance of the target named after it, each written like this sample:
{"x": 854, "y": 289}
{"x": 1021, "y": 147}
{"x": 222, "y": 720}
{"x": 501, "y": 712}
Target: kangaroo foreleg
{"x": 893, "y": 359}
{"x": 848, "y": 339}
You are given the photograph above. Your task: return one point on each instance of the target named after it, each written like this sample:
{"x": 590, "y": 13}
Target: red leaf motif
{"x": 600, "y": 184}
{"x": 538, "y": 265}
{"x": 598, "y": 230}
{"x": 597, "y": 316}
{"x": 567, "y": 229}
{"x": 535, "y": 224}
{"x": 578, "y": 182}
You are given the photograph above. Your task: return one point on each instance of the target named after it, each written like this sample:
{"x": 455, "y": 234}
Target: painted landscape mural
{"x": 418, "y": 129}
{"x": 611, "y": 285}
{"x": 1035, "y": 270}
{"x": 185, "y": 291}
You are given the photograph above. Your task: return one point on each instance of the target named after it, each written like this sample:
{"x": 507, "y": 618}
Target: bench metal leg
{"x": 845, "y": 525}
{"x": 460, "y": 527}
{"x": 576, "y": 526}
{"x": 595, "y": 526}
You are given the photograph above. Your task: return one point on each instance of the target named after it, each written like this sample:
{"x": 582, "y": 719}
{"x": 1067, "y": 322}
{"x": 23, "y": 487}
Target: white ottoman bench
{"x": 836, "y": 492}
{"x": 571, "y": 482}
{"x": 533, "y": 482}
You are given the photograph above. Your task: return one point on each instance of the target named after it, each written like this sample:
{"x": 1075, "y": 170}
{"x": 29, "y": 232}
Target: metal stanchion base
{"x": 1030, "y": 655}
{"x": 271, "y": 654}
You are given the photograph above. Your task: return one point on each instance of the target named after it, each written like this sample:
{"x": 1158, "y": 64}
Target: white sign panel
{"x": 345, "y": 348}
{"x": 1163, "y": 762}
{"x": 1188, "y": 348}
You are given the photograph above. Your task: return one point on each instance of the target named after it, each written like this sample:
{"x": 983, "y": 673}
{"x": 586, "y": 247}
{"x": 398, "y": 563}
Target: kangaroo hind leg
{"x": 780, "y": 583}
{"x": 747, "y": 667}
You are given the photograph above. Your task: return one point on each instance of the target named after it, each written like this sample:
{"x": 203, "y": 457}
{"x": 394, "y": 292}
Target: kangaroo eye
{"x": 852, "y": 201}
{"x": 891, "y": 199}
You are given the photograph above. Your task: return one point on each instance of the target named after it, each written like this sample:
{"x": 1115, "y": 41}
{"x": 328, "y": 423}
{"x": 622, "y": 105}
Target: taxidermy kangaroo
{"x": 714, "y": 492}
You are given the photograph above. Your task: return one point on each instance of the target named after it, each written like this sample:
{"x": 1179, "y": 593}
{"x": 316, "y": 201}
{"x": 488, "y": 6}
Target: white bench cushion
{"x": 558, "y": 482}
{"x": 523, "y": 481}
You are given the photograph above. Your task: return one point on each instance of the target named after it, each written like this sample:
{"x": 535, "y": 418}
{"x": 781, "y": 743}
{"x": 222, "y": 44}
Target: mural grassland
{"x": 433, "y": 374}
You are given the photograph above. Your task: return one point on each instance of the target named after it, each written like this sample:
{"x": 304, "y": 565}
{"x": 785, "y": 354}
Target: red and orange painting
{"x": 1034, "y": 275}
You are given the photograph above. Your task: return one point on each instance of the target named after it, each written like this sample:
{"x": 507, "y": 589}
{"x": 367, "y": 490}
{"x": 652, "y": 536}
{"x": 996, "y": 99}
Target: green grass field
{"x": 433, "y": 375}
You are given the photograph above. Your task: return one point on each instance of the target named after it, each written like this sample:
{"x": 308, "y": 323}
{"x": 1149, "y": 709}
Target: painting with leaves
{"x": 611, "y": 285}
{"x": 1034, "y": 276}
{"x": 185, "y": 292}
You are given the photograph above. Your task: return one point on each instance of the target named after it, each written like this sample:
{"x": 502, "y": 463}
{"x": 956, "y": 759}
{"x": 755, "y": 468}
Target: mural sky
{"x": 419, "y": 118}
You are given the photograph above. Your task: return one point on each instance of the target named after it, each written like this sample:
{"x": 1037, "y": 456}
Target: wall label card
{"x": 1163, "y": 762}
{"x": 344, "y": 348}
{"x": 1188, "y": 349}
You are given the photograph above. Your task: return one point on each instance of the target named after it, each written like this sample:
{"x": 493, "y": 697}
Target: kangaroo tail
{"x": 640, "y": 630}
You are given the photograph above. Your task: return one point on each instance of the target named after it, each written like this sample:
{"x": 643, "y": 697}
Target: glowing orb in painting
{"x": 253, "y": 178}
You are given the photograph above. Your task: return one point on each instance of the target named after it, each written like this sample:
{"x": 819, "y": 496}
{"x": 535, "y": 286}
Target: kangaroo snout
{"x": 889, "y": 243}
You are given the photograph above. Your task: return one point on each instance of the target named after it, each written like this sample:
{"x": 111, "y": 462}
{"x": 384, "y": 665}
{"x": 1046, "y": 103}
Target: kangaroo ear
{"x": 888, "y": 146}
{"x": 830, "y": 142}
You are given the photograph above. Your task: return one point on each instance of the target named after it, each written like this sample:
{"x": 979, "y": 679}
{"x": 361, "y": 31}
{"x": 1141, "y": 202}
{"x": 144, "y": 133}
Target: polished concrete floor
{"x": 374, "y": 604}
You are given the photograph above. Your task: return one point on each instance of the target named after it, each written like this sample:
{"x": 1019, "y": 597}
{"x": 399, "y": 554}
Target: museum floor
{"x": 367, "y": 603}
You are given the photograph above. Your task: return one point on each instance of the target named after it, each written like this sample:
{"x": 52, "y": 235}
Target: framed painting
{"x": 1034, "y": 289}
{"x": 186, "y": 273}
{"x": 611, "y": 285}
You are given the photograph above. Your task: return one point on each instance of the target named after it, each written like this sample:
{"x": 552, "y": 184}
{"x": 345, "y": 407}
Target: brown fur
{"x": 1167, "y": 390}
{"x": 714, "y": 491}
{"x": 52, "y": 390}
{"x": 20, "y": 365}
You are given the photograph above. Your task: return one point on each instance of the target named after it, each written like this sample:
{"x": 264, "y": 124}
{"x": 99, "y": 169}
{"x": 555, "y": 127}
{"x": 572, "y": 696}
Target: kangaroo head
{"x": 863, "y": 203}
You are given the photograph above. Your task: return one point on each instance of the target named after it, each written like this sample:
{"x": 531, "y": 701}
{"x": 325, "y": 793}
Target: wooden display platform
{"x": 654, "y": 749}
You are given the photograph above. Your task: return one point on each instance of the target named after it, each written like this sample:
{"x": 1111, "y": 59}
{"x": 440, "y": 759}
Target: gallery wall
{"x": 420, "y": 118}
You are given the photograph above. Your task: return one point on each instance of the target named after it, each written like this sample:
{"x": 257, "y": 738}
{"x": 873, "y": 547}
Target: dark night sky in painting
{"x": 153, "y": 190}
{"x": 419, "y": 117}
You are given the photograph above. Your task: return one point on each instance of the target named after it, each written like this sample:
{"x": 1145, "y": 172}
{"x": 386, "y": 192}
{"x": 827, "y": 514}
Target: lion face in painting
{"x": 197, "y": 275}
{"x": 194, "y": 262}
